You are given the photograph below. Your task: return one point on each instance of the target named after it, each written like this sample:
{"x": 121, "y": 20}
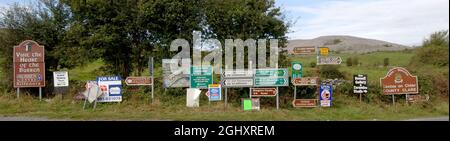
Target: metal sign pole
{"x": 393, "y": 100}
{"x": 95, "y": 104}
{"x": 153, "y": 82}
{"x": 278, "y": 99}
{"x": 360, "y": 99}
{"x": 250, "y": 92}
{"x": 406, "y": 99}
{"x": 226, "y": 97}
{"x": 40, "y": 93}
{"x": 18, "y": 91}
{"x": 295, "y": 92}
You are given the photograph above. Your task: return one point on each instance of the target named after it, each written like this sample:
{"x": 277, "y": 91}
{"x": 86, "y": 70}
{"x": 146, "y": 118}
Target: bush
{"x": 349, "y": 62}
{"x": 386, "y": 62}
{"x": 330, "y": 72}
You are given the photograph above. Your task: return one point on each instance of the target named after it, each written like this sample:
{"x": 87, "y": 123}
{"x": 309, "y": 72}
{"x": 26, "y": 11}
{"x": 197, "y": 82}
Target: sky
{"x": 406, "y": 22}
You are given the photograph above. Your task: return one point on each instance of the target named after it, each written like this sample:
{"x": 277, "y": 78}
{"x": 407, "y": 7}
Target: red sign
{"x": 257, "y": 92}
{"x": 303, "y": 81}
{"x": 399, "y": 81}
{"x": 304, "y": 103}
{"x": 29, "y": 65}
{"x": 136, "y": 81}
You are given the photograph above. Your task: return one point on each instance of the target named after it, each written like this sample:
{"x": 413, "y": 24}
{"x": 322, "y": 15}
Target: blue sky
{"x": 400, "y": 21}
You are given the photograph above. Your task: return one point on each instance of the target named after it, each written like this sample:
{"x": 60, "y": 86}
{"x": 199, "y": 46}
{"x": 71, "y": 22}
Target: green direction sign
{"x": 201, "y": 76}
{"x": 271, "y": 81}
{"x": 272, "y": 77}
{"x": 270, "y": 72}
{"x": 296, "y": 69}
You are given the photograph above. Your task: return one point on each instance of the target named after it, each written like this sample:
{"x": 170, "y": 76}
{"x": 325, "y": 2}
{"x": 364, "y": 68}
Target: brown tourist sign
{"x": 29, "y": 65}
{"x": 304, "y": 50}
{"x": 399, "y": 81}
{"x": 304, "y": 103}
{"x": 303, "y": 81}
{"x": 257, "y": 92}
{"x": 137, "y": 81}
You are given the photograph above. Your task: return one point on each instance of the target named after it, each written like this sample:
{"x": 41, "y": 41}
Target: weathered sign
{"x": 417, "y": 98}
{"x": 304, "y": 103}
{"x": 193, "y": 97}
{"x": 329, "y": 60}
{"x": 305, "y": 81}
{"x": 399, "y": 81}
{"x": 29, "y": 65}
{"x": 237, "y": 78}
{"x": 138, "y": 80}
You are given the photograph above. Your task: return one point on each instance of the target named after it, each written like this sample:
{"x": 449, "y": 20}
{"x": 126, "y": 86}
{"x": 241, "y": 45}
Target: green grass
{"x": 171, "y": 106}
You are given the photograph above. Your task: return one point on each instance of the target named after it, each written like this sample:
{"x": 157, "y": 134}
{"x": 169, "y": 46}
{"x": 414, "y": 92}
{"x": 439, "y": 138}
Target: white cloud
{"x": 401, "y": 21}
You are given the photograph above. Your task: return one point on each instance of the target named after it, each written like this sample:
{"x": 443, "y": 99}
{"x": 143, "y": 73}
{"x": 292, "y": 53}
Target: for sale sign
{"x": 111, "y": 88}
{"x": 29, "y": 65}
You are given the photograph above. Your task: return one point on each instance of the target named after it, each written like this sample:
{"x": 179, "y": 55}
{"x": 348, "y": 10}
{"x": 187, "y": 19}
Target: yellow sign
{"x": 324, "y": 51}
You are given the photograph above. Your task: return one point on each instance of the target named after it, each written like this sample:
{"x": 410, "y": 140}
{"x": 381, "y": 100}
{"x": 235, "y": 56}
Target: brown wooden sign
{"x": 304, "y": 50}
{"x": 304, "y": 103}
{"x": 138, "y": 81}
{"x": 304, "y": 81}
{"x": 29, "y": 65}
{"x": 417, "y": 98}
{"x": 259, "y": 92}
{"x": 399, "y": 81}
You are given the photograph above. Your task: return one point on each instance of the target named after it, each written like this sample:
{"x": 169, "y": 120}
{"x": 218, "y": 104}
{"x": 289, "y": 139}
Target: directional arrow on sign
{"x": 137, "y": 81}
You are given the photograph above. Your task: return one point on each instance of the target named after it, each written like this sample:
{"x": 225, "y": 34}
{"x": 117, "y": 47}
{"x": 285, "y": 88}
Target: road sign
{"x": 326, "y": 92}
{"x": 271, "y": 77}
{"x": 175, "y": 75}
{"x": 271, "y": 72}
{"x": 215, "y": 92}
{"x": 399, "y": 81}
{"x": 324, "y": 51}
{"x": 201, "y": 76}
{"x": 29, "y": 65}
{"x": 329, "y": 60}
{"x": 296, "y": 70}
{"x": 138, "y": 80}
{"x": 262, "y": 92}
{"x": 305, "y": 81}
{"x": 360, "y": 84}
{"x": 304, "y": 103}
{"x": 270, "y": 81}
{"x": 60, "y": 79}
{"x": 304, "y": 50}
{"x": 238, "y": 73}
{"x": 417, "y": 98}
{"x": 238, "y": 82}
{"x": 111, "y": 87}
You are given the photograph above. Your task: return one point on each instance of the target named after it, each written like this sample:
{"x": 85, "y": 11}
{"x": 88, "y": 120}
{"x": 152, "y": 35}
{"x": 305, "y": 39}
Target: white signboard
{"x": 237, "y": 73}
{"x": 60, "y": 79}
{"x": 193, "y": 97}
{"x": 238, "y": 82}
{"x": 329, "y": 60}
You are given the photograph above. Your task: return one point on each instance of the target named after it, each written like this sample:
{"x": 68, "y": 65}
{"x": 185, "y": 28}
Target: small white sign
{"x": 60, "y": 79}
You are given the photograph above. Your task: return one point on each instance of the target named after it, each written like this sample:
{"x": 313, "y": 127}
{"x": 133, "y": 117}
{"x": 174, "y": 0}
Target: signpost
{"x": 326, "y": 92}
{"x": 201, "y": 76}
{"x": 360, "y": 85}
{"x": 139, "y": 81}
{"x": 175, "y": 76}
{"x": 399, "y": 81}
{"x": 236, "y": 78}
{"x": 304, "y": 102}
{"x": 215, "y": 92}
{"x": 296, "y": 69}
{"x": 264, "y": 92}
{"x": 304, "y": 50}
{"x": 329, "y": 60}
{"x": 111, "y": 87}
{"x": 305, "y": 81}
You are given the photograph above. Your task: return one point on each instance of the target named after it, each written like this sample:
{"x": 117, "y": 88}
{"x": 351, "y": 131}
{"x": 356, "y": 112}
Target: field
{"x": 138, "y": 106}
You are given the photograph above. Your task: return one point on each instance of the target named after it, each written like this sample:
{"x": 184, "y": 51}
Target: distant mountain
{"x": 346, "y": 44}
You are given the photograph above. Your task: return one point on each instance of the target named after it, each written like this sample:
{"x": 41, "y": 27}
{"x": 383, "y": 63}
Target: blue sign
{"x": 215, "y": 92}
{"x": 326, "y": 91}
{"x": 111, "y": 87}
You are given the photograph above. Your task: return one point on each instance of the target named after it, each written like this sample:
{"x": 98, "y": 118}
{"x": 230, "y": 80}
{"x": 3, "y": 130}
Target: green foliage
{"x": 348, "y": 62}
{"x": 386, "y": 62}
{"x": 330, "y": 72}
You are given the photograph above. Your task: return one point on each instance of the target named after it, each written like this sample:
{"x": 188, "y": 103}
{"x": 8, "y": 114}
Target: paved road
{"x": 430, "y": 119}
